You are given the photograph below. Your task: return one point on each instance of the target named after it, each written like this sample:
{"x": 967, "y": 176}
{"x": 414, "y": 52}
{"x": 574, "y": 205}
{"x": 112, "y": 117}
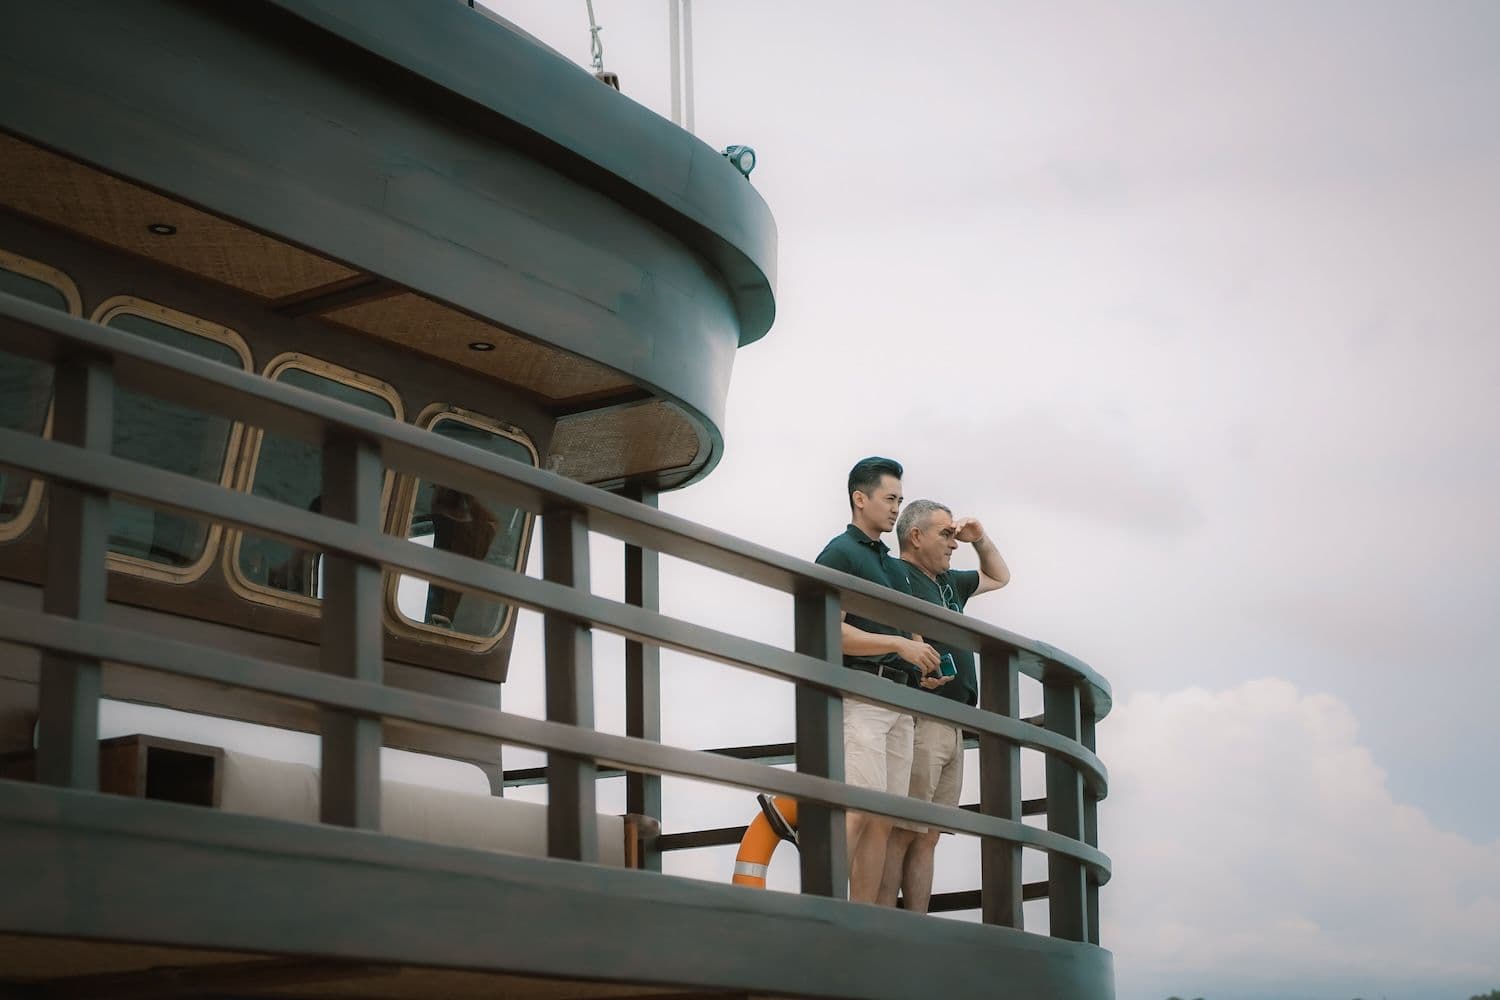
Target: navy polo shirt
{"x": 858, "y": 554}
{"x": 952, "y": 590}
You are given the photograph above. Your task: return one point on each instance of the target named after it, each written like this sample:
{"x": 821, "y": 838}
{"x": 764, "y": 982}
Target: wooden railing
{"x": 90, "y": 362}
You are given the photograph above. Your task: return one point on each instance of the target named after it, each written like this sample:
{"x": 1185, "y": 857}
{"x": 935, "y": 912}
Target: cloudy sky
{"x": 1193, "y": 304}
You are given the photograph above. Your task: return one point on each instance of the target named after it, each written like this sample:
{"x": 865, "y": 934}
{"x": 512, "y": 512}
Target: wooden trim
{"x": 129, "y": 305}
{"x": 399, "y": 524}
{"x": 47, "y": 275}
{"x": 641, "y": 834}
{"x": 250, "y": 456}
{"x": 125, "y": 765}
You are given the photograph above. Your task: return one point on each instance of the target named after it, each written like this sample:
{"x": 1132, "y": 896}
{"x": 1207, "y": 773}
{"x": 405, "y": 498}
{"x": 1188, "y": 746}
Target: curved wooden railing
{"x": 90, "y": 361}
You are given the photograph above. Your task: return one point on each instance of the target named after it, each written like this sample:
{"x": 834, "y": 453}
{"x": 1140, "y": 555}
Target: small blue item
{"x": 946, "y": 667}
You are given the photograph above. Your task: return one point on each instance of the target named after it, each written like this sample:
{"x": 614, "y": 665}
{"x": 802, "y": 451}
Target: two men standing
{"x": 885, "y": 748}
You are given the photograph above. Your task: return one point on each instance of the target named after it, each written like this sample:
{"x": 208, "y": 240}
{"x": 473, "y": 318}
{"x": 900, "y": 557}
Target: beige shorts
{"x": 937, "y": 769}
{"x": 877, "y": 747}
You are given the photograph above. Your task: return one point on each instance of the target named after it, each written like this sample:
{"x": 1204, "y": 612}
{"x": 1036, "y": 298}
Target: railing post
{"x": 1091, "y": 831}
{"x": 572, "y": 818}
{"x": 822, "y": 842}
{"x": 643, "y": 678}
{"x": 77, "y": 581}
{"x": 353, "y": 641}
{"x": 1066, "y": 878}
{"x": 1000, "y": 789}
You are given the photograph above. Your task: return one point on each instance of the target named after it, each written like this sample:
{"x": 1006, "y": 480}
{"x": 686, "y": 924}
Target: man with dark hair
{"x": 877, "y": 739}
{"x": 927, "y": 535}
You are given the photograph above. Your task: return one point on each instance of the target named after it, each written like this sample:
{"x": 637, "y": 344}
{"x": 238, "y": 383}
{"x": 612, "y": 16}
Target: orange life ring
{"x": 777, "y": 822}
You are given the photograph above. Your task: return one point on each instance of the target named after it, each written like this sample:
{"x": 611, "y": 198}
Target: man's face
{"x": 879, "y": 510}
{"x": 932, "y": 545}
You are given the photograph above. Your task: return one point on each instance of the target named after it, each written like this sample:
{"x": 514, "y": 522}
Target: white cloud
{"x": 1257, "y": 850}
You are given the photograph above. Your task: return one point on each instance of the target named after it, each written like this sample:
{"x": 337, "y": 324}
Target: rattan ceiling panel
{"x": 422, "y": 984}
{"x": 24, "y": 957}
{"x": 45, "y": 964}
{"x": 432, "y": 328}
{"x": 78, "y": 198}
{"x": 613, "y": 444}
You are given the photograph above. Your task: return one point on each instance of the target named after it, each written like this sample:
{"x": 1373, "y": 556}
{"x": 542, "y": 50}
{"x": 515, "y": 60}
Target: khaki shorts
{"x": 877, "y": 747}
{"x": 937, "y": 769}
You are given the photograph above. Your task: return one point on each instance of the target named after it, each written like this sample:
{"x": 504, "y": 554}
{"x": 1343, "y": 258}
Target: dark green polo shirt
{"x": 951, "y": 590}
{"x": 858, "y": 554}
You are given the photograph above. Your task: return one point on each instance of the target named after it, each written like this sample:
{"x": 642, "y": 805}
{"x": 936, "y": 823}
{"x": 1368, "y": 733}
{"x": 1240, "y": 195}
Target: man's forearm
{"x": 858, "y": 642}
{"x": 991, "y": 562}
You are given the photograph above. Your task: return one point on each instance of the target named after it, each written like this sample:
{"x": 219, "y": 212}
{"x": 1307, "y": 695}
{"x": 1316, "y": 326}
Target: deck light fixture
{"x": 743, "y": 158}
{"x": 162, "y": 228}
{"x": 481, "y": 345}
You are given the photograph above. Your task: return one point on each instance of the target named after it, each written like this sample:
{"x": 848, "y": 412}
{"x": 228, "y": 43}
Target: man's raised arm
{"x": 993, "y": 573}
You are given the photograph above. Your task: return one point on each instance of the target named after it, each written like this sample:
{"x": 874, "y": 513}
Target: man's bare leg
{"x": 896, "y": 850}
{"x": 916, "y": 873}
{"x": 867, "y": 837}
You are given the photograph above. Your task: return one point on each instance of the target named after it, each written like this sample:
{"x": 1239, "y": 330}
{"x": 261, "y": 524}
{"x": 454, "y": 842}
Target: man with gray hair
{"x": 927, "y": 535}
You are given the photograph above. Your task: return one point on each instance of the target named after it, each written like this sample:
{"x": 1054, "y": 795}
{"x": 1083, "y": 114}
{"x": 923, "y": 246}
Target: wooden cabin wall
{"x": 101, "y": 273}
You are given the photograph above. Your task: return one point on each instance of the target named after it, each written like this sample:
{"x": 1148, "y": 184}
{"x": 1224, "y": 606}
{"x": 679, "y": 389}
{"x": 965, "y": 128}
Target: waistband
{"x": 898, "y": 674}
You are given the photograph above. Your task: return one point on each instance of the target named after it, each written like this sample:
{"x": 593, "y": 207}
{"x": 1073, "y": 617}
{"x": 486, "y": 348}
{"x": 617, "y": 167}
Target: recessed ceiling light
{"x": 162, "y": 228}
{"x": 481, "y": 345}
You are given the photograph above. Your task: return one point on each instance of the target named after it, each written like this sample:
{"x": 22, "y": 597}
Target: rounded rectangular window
{"x": 172, "y": 437}
{"x": 467, "y": 524}
{"x": 26, "y": 385}
{"x": 290, "y": 471}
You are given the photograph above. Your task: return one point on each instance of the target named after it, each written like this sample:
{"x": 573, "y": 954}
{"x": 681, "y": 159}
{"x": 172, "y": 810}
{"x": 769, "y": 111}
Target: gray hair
{"x": 915, "y": 515}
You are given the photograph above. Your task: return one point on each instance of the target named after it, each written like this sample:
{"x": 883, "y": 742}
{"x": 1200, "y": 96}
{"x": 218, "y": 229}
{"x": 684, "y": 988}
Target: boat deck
{"x": 291, "y": 909}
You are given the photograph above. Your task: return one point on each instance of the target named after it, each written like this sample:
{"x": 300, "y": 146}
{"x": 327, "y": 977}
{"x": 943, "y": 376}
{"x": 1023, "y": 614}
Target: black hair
{"x": 867, "y": 473}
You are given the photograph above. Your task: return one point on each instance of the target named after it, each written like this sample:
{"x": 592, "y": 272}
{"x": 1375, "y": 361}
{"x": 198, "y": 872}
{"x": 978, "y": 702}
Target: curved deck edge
{"x": 694, "y": 190}
{"x": 91, "y": 866}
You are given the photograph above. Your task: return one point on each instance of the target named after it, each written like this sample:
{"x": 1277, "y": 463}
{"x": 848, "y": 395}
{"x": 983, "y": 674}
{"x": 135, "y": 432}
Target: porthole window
{"x": 471, "y": 525}
{"x": 169, "y": 436}
{"x": 26, "y": 385}
{"x": 290, "y": 471}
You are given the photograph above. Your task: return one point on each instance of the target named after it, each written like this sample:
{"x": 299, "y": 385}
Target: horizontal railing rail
{"x": 118, "y": 645}
{"x": 785, "y": 753}
{"x": 180, "y": 494}
{"x": 43, "y": 334}
{"x": 90, "y": 361}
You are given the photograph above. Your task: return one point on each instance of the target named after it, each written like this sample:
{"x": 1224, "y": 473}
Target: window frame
{"x": 241, "y": 585}
{"x": 51, "y": 276}
{"x": 399, "y": 523}
{"x": 130, "y": 305}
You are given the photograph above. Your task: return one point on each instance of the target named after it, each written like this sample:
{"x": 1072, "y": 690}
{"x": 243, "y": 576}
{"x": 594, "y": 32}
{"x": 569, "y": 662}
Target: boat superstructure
{"x": 313, "y": 313}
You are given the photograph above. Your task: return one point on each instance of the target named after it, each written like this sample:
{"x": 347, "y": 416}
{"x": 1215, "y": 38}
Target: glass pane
{"x": 473, "y": 526}
{"x": 171, "y": 437}
{"x": 25, "y": 388}
{"x": 291, "y": 472}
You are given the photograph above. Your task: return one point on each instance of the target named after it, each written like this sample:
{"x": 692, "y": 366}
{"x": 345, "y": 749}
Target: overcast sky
{"x": 1193, "y": 305}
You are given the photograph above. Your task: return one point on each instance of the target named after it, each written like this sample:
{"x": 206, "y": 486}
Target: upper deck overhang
{"x": 429, "y": 147}
{"x": 602, "y": 138}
